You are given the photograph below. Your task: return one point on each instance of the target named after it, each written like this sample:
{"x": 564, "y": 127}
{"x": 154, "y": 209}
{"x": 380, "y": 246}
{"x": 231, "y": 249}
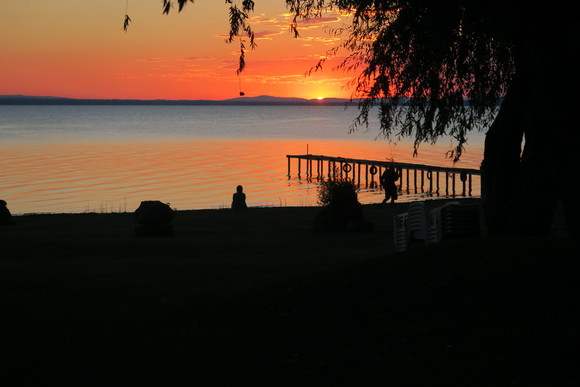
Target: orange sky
{"x": 72, "y": 48}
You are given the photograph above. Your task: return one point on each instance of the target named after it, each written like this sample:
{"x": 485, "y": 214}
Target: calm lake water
{"x": 69, "y": 159}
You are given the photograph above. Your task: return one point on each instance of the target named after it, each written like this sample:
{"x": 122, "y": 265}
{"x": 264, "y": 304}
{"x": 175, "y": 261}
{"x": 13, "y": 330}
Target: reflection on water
{"x": 189, "y": 174}
{"x": 110, "y": 158}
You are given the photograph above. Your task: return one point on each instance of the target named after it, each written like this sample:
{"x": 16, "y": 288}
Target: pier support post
{"x": 373, "y": 170}
{"x": 463, "y": 178}
{"x": 400, "y": 173}
{"x": 453, "y": 183}
{"x": 352, "y": 169}
{"x": 299, "y": 166}
{"x": 367, "y": 175}
{"x": 470, "y": 186}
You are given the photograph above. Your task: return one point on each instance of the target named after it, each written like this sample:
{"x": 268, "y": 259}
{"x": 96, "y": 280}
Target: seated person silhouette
{"x": 5, "y": 215}
{"x": 239, "y": 199}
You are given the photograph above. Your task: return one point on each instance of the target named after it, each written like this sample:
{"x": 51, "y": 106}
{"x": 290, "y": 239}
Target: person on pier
{"x": 239, "y": 199}
{"x": 389, "y": 182}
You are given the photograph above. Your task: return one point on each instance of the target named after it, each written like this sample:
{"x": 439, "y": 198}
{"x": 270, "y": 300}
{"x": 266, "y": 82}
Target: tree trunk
{"x": 501, "y": 163}
{"x": 534, "y": 198}
{"x": 520, "y": 195}
{"x": 562, "y": 132}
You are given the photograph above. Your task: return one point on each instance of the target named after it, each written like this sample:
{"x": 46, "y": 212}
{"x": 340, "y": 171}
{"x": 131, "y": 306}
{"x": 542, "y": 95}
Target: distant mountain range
{"x": 264, "y": 100}
{"x": 260, "y": 100}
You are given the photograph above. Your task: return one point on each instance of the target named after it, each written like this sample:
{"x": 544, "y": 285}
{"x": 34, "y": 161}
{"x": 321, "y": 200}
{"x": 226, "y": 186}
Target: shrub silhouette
{"x": 341, "y": 209}
{"x": 340, "y": 192}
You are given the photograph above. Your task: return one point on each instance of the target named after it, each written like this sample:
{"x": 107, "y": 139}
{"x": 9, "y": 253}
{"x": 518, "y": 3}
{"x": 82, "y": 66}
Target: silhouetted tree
{"x": 433, "y": 55}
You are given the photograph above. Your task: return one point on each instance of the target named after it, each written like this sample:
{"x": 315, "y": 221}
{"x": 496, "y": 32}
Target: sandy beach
{"x": 259, "y": 298}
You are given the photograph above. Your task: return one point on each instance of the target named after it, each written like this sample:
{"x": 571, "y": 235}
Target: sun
{"x": 320, "y": 98}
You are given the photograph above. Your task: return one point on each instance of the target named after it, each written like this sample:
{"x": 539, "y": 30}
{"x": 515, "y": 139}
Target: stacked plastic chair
{"x": 400, "y": 222}
{"x": 459, "y": 220}
{"x": 434, "y": 230}
{"x": 411, "y": 225}
{"x": 452, "y": 220}
{"x": 417, "y": 221}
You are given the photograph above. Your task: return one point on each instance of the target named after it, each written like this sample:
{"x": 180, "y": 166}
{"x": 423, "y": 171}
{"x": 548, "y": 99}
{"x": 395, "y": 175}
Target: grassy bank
{"x": 258, "y": 297}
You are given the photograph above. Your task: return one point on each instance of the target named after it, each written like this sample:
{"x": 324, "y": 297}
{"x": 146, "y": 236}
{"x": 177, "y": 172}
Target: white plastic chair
{"x": 400, "y": 232}
{"x": 417, "y": 221}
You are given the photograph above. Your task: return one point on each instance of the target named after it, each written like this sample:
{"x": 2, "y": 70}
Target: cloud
{"x": 277, "y": 79}
{"x": 260, "y": 35}
{"x": 157, "y": 59}
{"x": 284, "y": 22}
{"x": 290, "y": 79}
{"x": 319, "y": 20}
{"x": 266, "y": 35}
{"x": 199, "y": 58}
{"x": 164, "y": 59}
{"x": 321, "y": 39}
{"x": 263, "y": 20}
{"x": 126, "y": 76}
{"x": 187, "y": 75}
{"x": 315, "y": 21}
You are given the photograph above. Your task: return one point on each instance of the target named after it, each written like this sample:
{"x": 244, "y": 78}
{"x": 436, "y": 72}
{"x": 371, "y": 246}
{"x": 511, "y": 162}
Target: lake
{"x": 70, "y": 159}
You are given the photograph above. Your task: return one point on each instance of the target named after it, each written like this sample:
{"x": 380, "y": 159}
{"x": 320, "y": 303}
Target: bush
{"x": 337, "y": 192}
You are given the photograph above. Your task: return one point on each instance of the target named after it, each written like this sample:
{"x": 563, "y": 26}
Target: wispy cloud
{"x": 156, "y": 59}
{"x": 258, "y": 35}
{"x": 283, "y": 23}
{"x": 165, "y": 59}
{"x": 126, "y": 76}
{"x": 316, "y": 21}
{"x": 263, "y": 20}
{"x": 267, "y": 35}
{"x": 321, "y": 39}
{"x": 185, "y": 75}
{"x": 199, "y": 58}
{"x": 284, "y": 20}
{"x": 290, "y": 79}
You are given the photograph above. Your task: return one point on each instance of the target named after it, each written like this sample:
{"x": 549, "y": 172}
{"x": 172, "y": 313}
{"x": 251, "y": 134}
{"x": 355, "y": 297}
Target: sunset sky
{"x": 77, "y": 49}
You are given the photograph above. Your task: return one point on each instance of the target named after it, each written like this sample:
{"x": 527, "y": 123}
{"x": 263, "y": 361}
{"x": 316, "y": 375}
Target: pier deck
{"x": 410, "y": 175}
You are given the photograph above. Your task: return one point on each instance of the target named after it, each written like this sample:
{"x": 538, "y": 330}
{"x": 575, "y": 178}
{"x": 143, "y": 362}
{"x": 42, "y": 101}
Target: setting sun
{"x": 320, "y": 98}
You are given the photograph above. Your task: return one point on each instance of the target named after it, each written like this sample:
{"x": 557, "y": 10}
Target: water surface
{"x": 110, "y": 158}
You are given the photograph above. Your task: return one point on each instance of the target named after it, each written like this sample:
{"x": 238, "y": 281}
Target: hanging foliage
{"x": 420, "y": 62}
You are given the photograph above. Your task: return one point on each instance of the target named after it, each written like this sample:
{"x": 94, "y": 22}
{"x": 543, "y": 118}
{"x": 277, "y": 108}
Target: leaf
{"x": 126, "y": 23}
{"x": 166, "y": 6}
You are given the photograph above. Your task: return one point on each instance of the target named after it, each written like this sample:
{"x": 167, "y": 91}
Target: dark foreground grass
{"x": 257, "y": 298}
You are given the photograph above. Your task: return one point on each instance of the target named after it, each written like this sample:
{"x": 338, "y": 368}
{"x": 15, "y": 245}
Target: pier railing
{"x": 427, "y": 178}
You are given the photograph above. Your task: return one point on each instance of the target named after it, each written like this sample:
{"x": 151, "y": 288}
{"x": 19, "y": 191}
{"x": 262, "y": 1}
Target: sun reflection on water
{"x": 192, "y": 174}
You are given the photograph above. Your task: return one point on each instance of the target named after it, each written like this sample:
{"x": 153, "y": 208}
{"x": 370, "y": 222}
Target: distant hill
{"x": 264, "y": 100}
{"x": 259, "y": 100}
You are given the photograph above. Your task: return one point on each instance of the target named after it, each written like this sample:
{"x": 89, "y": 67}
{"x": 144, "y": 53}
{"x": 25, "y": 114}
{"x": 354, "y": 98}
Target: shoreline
{"x": 258, "y": 297}
{"x": 402, "y": 201}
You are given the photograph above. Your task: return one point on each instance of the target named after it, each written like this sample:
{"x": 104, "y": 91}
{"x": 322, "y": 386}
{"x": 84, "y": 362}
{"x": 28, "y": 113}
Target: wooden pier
{"x": 417, "y": 177}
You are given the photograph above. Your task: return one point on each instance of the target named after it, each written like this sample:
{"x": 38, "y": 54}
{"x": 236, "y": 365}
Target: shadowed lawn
{"x": 257, "y": 297}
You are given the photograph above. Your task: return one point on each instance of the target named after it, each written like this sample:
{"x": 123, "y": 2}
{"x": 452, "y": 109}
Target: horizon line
{"x": 20, "y": 99}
